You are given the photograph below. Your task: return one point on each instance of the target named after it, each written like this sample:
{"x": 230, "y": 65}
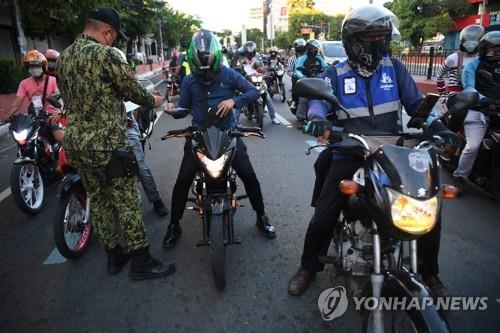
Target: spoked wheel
{"x": 259, "y": 115}
{"x": 217, "y": 248}
{"x": 28, "y": 188}
{"x": 71, "y": 231}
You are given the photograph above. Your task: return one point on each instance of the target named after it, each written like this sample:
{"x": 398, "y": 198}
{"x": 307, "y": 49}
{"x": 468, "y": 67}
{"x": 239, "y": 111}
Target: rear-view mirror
{"x": 314, "y": 88}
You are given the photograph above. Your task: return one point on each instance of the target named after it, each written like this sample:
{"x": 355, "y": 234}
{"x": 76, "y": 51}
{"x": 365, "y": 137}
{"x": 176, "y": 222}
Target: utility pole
{"x": 483, "y": 10}
{"x": 20, "y": 33}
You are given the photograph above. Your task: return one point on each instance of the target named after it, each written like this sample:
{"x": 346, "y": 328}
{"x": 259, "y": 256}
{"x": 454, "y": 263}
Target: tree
{"x": 423, "y": 19}
{"x": 46, "y": 18}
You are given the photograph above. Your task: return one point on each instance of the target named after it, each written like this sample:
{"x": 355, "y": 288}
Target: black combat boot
{"x": 117, "y": 258}
{"x": 143, "y": 266}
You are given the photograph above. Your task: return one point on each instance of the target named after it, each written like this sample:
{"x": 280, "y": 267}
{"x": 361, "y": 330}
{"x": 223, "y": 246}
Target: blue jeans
{"x": 270, "y": 108}
{"x": 145, "y": 175}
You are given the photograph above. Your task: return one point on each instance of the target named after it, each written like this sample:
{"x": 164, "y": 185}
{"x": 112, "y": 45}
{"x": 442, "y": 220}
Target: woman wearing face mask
{"x": 37, "y": 88}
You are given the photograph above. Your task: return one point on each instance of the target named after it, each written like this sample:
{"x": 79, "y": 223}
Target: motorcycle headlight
{"x": 256, "y": 78}
{"x": 416, "y": 217}
{"x": 216, "y": 167}
{"x": 20, "y": 136}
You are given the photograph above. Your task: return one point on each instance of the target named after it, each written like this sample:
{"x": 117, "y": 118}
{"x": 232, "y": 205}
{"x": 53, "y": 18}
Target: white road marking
{"x": 158, "y": 114}
{"x": 158, "y": 83}
{"x": 313, "y": 143}
{"x": 55, "y": 258}
{"x": 283, "y": 120}
{"x": 7, "y": 148}
{"x": 5, "y": 194}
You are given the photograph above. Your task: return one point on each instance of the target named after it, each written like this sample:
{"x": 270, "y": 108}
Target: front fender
{"x": 403, "y": 284}
{"x": 67, "y": 183}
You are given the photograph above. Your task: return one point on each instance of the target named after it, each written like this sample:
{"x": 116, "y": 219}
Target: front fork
{"x": 377, "y": 280}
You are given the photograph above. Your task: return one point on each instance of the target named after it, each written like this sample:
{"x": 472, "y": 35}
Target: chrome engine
{"x": 357, "y": 249}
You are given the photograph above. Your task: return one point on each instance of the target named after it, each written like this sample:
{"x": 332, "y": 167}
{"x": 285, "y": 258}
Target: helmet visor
{"x": 205, "y": 52}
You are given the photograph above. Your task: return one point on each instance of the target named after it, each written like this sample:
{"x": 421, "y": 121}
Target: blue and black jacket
{"x": 374, "y": 103}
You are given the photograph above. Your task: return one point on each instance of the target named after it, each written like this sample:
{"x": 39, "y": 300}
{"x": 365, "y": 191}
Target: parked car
{"x": 333, "y": 51}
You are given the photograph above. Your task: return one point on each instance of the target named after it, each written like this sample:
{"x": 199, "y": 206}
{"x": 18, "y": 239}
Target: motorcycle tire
{"x": 19, "y": 177}
{"x": 218, "y": 225}
{"x": 259, "y": 115}
{"x": 247, "y": 110}
{"x": 62, "y": 222}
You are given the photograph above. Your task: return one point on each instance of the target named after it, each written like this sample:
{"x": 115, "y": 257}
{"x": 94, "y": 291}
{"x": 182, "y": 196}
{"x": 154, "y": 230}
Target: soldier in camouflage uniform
{"x": 94, "y": 80}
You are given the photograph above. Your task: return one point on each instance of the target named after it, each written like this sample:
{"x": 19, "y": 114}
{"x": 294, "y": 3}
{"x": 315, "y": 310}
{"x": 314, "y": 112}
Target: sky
{"x": 231, "y": 14}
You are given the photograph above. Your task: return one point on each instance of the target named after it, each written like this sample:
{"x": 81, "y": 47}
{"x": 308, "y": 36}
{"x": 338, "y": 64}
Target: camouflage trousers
{"x": 120, "y": 195}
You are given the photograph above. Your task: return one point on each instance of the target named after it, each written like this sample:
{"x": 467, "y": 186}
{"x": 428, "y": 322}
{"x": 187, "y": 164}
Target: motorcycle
{"x": 72, "y": 226}
{"x": 486, "y": 170}
{"x": 393, "y": 199}
{"x": 214, "y": 187}
{"x": 256, "y": 109}
{"x": 173, "y": 84}
{"x": 273, "y": 79}
{"x": 35, "y": 165}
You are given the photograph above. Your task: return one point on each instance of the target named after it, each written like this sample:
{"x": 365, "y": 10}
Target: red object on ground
{"x": 425, "y": 86}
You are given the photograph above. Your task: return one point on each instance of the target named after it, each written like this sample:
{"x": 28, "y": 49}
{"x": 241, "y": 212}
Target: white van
{"x": 333, "y": 51}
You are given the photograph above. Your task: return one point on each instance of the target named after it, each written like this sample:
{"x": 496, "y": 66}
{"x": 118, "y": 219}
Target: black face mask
{"x": 372, "y": 53}
{"x": 312, "y": 53}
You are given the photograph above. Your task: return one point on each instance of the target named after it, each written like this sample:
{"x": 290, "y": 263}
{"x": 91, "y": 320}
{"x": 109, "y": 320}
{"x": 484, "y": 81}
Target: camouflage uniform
{"x": 94, "y": 80}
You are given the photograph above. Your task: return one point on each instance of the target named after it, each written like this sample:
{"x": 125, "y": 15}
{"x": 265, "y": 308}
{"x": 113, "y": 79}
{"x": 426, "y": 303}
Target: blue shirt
{"x": 196, "y": 95}
{"x": 469, "y": 77}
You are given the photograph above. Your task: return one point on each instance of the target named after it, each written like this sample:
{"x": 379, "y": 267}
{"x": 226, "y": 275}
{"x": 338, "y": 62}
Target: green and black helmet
{"x": 205, "y": 56}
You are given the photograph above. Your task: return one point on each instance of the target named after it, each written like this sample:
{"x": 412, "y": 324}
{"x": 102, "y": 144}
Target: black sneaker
{"x": 174, "y": 231}
{"x": 300, "y": 124}
{"x": 459, "y": 184}
{"x": 117, "y": 258}
{"x": 266, "y": 227}
{"x": 160, "y": 208}
{"x": 143, "y": 266}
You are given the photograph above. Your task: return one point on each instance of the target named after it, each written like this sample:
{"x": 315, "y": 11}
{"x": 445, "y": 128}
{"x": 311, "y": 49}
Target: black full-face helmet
{"x": 250, "y": 49}
{"x": 469, "y": 38}
{"x": 489, "y": 47}
{"x": 366, "y": 34}
{"x": 299, "y": 45}
{"x": 312, "y": 47}
{"x": 204, "y": 56}
{"x": 273, "y": 52}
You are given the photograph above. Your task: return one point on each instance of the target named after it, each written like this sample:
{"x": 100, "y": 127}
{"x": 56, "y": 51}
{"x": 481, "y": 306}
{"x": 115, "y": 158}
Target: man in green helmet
{"x": 211, "y": 85}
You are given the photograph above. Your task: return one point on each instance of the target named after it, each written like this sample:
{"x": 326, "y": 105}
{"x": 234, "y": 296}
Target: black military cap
{"x": 108, "y": 16}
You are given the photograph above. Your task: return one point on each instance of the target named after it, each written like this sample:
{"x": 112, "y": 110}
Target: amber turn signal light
{"x": 450, "y": 192}
{"x": 348, "y": 187}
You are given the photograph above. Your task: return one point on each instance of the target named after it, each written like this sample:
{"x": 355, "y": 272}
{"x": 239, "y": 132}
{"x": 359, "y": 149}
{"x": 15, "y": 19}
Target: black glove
{"x": 449, "y": 137}
{"x": 317, "y": 127}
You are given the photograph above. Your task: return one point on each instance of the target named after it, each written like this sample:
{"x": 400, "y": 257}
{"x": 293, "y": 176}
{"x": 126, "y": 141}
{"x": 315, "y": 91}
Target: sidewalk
{"x": 4, "y": 128}
{"x": 425, "y": 86}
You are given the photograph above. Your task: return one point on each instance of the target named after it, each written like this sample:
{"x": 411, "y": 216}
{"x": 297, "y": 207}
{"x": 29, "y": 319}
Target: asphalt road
{"x": 78, "y": 296}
